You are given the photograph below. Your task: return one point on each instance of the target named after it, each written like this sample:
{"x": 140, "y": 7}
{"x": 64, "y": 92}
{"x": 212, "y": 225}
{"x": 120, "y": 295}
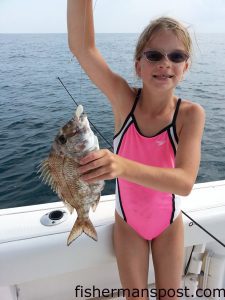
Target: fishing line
{"x": 95, "y": 4}
{"x": 67, "y": 90}
{"x": 204, "y": 229}
{"x": 82, "y": 48}
{"x": 96, "y": 129}
{"x": 84, "y": 31}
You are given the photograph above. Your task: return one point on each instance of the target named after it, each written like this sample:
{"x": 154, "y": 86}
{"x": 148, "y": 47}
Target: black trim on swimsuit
{"x": 130, "y": 114}
{"x": 149, "y": 136}
{"x": 173, "y": 209}
{"x": 175, "y": 118}
{"x": 121, "y": 205}
{"x": 171, "y": 141}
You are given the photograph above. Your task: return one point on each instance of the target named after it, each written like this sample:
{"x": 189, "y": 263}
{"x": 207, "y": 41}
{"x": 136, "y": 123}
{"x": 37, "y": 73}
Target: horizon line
{"x": 99, "y": 32}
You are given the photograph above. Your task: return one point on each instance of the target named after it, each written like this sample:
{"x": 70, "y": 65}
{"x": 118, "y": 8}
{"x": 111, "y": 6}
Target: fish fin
{"x": 46, "y": 173}
{"x": 47, "y": 176}
{"x": 80, "y": 226}
{"x": 95, "y": 204}
{"x": 43, "y": 167}
{"x": 69, "y": 207}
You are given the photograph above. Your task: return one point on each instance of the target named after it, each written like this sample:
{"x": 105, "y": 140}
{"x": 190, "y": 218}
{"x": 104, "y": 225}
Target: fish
{"x": 60, "y": 171}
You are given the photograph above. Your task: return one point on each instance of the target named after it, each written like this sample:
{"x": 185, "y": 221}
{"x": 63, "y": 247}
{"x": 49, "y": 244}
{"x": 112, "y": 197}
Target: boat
{"x": 37, "y": 264}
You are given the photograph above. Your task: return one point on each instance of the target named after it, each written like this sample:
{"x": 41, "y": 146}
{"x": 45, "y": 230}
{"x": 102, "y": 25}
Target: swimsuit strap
{"x": 136, "y": 101}
{"x": 176, "y": 111}
{"x": 138, "y": 97}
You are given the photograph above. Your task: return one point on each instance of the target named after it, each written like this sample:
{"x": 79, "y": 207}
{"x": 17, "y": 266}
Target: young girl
{"x": 157, "y": 146}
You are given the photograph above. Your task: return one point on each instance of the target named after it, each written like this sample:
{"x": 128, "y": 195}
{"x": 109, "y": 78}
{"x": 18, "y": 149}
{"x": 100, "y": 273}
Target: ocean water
{"x": 34, "y": 105}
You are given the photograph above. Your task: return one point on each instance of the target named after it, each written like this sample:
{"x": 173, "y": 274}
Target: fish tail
{"x": 95, "y": 204}
{"x": 80, "y": 226}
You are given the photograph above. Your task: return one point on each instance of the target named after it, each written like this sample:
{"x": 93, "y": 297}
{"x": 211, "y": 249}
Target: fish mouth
{"x": 81, "y": 118}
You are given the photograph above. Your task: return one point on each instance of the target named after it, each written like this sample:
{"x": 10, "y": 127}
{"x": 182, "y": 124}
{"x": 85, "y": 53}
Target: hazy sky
{"x": 37, "y": 16}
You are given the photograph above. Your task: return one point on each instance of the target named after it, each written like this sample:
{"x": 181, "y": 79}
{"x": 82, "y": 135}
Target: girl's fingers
{"x": 99, "y": 165}
{"x": 92, "y": 165}
{"x": 93, "y": 160}
{"x": 102, "y": 177}
{"x": 94, "y": 174}
{"x": 93, "y": 156}
{"x": 106, "y": 176}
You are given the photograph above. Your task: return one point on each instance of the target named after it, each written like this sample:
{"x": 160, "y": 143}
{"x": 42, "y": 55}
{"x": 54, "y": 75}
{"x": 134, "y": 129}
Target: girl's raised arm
{"x": 80, "y": 26}
{"x": 81, "y": 38}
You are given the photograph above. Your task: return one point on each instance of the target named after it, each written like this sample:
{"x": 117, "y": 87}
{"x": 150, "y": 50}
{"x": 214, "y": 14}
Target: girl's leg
{"x": 132, "y": 253}
{"x": 168, "y": 257}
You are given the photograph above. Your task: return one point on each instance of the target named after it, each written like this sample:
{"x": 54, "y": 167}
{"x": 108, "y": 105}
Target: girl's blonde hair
{"x": 163, "y": 23}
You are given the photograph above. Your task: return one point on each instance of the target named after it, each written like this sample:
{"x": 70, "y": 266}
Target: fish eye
{"x": 62, "y": 139}
{"x": 83, "y": 115}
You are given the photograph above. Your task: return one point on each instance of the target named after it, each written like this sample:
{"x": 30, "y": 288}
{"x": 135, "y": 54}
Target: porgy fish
{"x": 59, "y": 170}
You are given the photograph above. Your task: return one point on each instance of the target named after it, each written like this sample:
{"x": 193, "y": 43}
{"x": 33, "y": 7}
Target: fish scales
{"x": 60, "y": 171}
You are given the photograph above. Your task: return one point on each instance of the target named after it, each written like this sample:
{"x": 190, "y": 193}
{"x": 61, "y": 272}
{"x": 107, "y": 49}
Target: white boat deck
{"x": 36, "y": 264}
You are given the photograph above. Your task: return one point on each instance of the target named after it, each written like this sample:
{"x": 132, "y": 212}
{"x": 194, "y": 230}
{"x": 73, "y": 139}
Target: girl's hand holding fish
{"x": 101, "y": 165}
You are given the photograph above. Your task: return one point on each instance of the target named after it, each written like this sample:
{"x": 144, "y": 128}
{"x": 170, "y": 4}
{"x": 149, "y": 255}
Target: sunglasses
{"x": 176, "y": 56}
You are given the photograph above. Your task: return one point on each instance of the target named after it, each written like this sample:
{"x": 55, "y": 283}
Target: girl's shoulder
{"x": 191, "y": 109}
{"x": 190, "y": 114}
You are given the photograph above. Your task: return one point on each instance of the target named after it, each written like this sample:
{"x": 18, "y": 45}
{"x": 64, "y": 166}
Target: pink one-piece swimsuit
{"x": 149, "y": 212}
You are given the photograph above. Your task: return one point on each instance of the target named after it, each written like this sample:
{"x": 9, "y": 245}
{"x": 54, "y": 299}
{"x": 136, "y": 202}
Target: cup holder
{"x": 54, "y": 217}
